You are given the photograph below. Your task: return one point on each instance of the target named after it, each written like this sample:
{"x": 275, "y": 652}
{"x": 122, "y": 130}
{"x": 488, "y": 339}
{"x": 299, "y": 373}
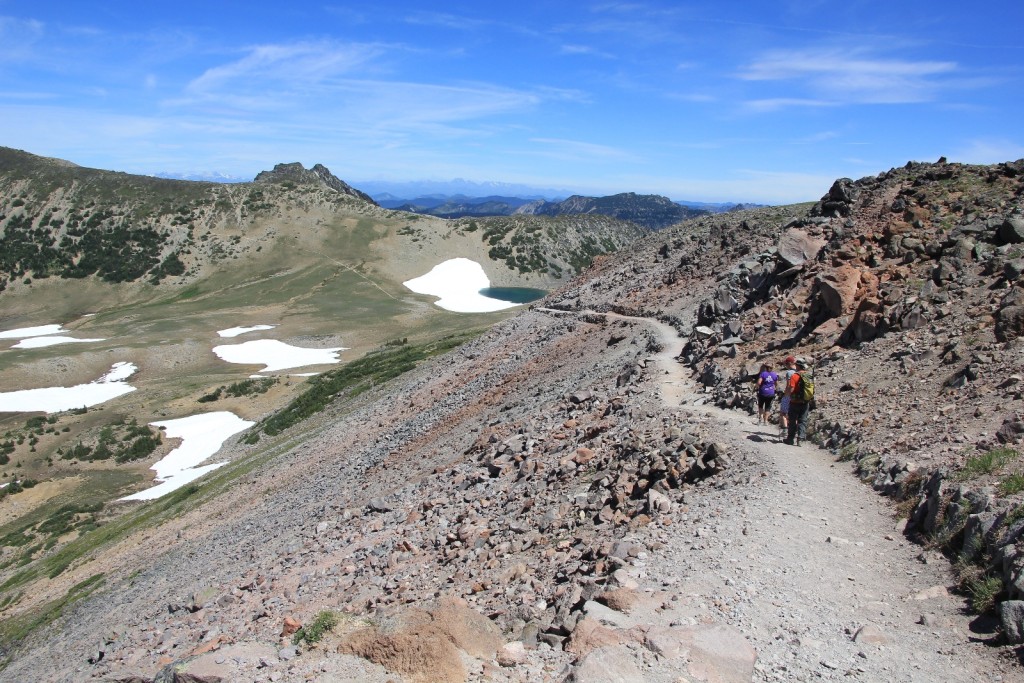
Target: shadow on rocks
{"x": 986, "y": 628}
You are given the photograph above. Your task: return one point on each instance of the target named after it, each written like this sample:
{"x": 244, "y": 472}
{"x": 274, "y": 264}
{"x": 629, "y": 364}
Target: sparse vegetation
{"x": 248, "y": 387}
{"x": 14, "y": 630}
{"x": 351, "y": 380}
{"x": 847, "y": 452}
{"x": 909, "y": 494}
{"x": 120, "y": 441}
{"x": 1015, "y": 516}
{"x": 66, "y": 519}
{"x": 1012, "y": 484}
{"x": 980, "y": 588}
{"x": 985, "y": 463}
{"x": 322, "y": 624}
{"x": 867, "y": 464}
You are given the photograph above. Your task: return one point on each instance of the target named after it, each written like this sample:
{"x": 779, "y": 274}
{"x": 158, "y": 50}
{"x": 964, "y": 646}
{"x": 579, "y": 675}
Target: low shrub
{"x": 322, "y": 624}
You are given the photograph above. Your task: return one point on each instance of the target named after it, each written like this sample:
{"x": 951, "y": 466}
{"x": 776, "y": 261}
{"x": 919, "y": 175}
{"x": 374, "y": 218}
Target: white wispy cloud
{"x": 579, "y": 151}
{"x": 776, "y": 103}
{"x": 854, "y": 75}
{"x": 304, "y": 62}
{"x": 409, "y": 104}
{"x": 988, "y": 151}
{"x": 587, "y": 50}
{"x": 450, "y": 21}
{"x": 27, "y": 95}
{"x": 823, "y": 136}
{"x": 696, "y": 97}
{"x": 468, "y": 24}
{"x": 642, "y": 24}
{"x": 19, "y": 38}
{"x": 327, "y": 88}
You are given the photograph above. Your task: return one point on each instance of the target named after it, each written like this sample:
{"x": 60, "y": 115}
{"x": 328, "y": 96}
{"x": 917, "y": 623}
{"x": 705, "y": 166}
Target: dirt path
{"x": 809, "y": 563}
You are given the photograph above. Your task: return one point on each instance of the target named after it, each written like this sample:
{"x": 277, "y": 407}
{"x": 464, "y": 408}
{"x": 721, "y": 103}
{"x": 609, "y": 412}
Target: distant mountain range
{"x": 203, "y": 176}
{"x": 456, "y": 187}
{"x": 651, "y": 211}
{"x": 460, "y": 198}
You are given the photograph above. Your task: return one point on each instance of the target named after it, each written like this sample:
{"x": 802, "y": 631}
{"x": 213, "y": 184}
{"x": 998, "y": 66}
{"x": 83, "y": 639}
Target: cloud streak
{"x": 19, "y": 39}
{"x": 840, "y": 76}
{"x": 580, "y": 151}
{"x": 293, "y": 63}
{"x": 326, "y": 89}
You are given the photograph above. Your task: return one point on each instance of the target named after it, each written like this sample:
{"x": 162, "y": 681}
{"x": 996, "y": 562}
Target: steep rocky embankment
{"x": 905, "y": 292}
{"x": 561, "y": 499}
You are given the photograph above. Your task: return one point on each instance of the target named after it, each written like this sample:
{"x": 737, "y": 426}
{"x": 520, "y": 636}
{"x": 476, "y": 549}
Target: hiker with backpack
{"x": 784, "y": 377}
{"x": 800, "y": 390}
{"x": 766, "y": 381}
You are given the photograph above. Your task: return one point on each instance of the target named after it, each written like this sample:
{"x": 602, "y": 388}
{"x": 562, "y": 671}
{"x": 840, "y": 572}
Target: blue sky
{"x": 712, "y": 101}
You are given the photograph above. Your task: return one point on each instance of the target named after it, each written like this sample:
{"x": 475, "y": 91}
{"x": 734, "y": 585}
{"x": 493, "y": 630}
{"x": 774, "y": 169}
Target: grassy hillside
{"x": 155, "y": 267}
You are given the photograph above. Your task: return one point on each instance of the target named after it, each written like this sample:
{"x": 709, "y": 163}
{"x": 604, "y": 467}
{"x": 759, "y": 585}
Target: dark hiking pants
{"x": 797, "y": 415}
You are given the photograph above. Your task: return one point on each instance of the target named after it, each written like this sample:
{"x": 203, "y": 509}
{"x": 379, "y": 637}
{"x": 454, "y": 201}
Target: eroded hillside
{"x": 147, "y": 272}
{"x": 538, "y": 475}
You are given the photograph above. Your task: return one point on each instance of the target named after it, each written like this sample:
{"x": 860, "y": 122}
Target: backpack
{"x": 804, "y": 388}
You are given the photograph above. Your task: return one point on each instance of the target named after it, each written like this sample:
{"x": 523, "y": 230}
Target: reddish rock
{"x": 583, "y": 456}
{"x": 291, "y": 625}
{"x": 590, "y": 635}
{"x": 620, "y": 599}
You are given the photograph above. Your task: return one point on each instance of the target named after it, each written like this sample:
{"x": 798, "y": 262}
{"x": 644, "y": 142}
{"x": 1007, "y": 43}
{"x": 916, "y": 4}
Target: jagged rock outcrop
{"x": 318, "y": 175}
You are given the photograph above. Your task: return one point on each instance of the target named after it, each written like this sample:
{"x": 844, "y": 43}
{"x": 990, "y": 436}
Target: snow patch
{"x": 41, "y": 341}
{"x": 26, "y": 332}
{"x": 201, "y": 437}
{"x": 57, "y": 399}
{"x": 235, "y": 331}
{"x": 275, "y": 354}
{"x": 457, "y": 284}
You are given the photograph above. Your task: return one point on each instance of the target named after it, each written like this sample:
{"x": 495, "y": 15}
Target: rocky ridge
{"x": 545, "y": 476}
{"x": 651, "y": 211}
{"x": 319, "y": 174}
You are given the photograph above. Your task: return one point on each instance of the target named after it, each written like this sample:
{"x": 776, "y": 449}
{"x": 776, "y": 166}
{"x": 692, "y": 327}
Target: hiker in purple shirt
{"x": 765, "y": 392}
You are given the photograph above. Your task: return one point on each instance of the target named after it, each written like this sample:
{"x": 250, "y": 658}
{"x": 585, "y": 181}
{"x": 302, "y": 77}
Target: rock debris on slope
{"x": 544, "y": 478}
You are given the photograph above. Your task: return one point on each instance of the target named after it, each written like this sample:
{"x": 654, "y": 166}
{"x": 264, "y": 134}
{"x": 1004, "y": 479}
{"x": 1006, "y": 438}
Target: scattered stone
{"x": 590, "y": 635}
{"x": 610, "y": 664}
{"x": 290, "y": 626}
{"x": 620, "y": 599}
{"x": 512, "y": 654}
{"x": 870, "y": 634}
{"x": 931, "y": 593}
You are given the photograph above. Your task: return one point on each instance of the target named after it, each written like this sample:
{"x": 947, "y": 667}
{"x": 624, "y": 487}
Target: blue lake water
{"x": 516, "y": 295}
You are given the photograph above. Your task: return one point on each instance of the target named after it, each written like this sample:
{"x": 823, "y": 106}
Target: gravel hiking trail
{"x": 809, "y": 563}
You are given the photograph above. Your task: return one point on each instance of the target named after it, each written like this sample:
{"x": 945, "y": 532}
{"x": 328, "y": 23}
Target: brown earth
{"x": 563, "y": 460}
